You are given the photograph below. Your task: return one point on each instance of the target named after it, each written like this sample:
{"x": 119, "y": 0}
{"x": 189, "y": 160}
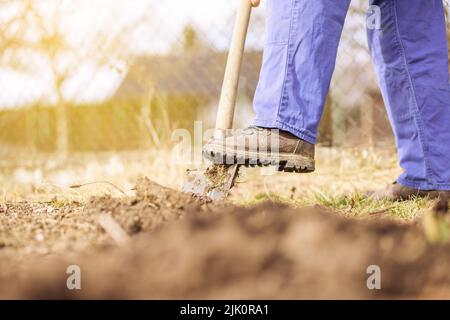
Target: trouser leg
{"x": 299, "y": 59}
{"x": 411, "y": 58}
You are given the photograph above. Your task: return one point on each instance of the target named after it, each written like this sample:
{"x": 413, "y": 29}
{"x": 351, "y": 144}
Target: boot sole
{"x": 284, "y": 162}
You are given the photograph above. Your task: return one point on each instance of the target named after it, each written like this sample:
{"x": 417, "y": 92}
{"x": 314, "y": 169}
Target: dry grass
{"x": 342, "y": 176}
{"x": 82, "y": 176}
{"x": 56, "y": 224}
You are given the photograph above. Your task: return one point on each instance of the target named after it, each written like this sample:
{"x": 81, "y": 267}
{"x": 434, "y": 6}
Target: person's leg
{"x": 411, "y": 58}
{"x": 299, "y": 59}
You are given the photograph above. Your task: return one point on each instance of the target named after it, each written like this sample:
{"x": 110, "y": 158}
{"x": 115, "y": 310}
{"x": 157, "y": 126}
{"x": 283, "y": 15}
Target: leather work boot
{"x": 263, "y": 147}
{"x": 397, "y": 192}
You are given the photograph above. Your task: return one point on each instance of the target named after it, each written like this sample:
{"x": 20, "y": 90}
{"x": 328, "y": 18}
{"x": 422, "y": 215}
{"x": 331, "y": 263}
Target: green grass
{"x": 355, "y": 205}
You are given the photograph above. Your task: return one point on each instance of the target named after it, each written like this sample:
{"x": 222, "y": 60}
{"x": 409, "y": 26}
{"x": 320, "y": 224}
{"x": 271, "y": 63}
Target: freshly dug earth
{"x": 182, "y": 247}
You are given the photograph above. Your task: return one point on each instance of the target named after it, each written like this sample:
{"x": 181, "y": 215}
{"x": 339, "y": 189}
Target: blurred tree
{"x": 190, "y": 38}
{"x": 35, "y": 41}
{"x": 31, "y": 40}
{"x": 53, "y": 46}
{"x": 190, "y": 41}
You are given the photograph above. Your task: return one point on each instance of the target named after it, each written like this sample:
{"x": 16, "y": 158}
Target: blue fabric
{"x": 410, "y": 55}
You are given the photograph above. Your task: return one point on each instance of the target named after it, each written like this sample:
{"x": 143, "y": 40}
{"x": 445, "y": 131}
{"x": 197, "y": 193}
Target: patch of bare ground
{"x": 182, "y": 247}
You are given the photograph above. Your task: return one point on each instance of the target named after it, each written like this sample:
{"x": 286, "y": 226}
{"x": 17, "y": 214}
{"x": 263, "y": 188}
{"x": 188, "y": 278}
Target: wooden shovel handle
{"x": 227, "y": 103}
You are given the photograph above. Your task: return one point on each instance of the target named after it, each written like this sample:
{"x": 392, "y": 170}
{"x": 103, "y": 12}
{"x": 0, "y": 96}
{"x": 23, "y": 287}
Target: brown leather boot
{"x": 261, "y": 146}
{"x": 397, "y": 192}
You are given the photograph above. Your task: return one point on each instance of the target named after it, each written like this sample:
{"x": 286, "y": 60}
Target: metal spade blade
{"x": 215, "y": 182}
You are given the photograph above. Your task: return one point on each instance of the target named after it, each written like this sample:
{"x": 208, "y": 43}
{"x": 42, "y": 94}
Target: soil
{"x": 183, "y": 247}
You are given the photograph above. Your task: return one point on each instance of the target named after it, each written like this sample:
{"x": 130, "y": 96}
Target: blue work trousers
{"x": 410, "y": 55}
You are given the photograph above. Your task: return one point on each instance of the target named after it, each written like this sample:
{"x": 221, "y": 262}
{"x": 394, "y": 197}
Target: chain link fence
{"x": 100, "y": 75}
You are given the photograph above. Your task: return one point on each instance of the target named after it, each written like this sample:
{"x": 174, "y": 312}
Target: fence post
{"x": 326, "y": 124}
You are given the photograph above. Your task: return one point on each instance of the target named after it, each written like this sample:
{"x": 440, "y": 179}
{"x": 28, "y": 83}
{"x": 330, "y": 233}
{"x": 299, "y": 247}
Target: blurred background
{"x": 94, "y": 89}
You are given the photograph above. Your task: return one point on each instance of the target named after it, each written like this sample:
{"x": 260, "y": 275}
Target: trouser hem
{"x": 302, "y": 134}
{"x": 423, "y": 185}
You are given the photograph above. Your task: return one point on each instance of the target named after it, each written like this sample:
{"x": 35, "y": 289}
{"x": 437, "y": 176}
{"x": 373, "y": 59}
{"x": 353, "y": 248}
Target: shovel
{"x": 216, "y": 181}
